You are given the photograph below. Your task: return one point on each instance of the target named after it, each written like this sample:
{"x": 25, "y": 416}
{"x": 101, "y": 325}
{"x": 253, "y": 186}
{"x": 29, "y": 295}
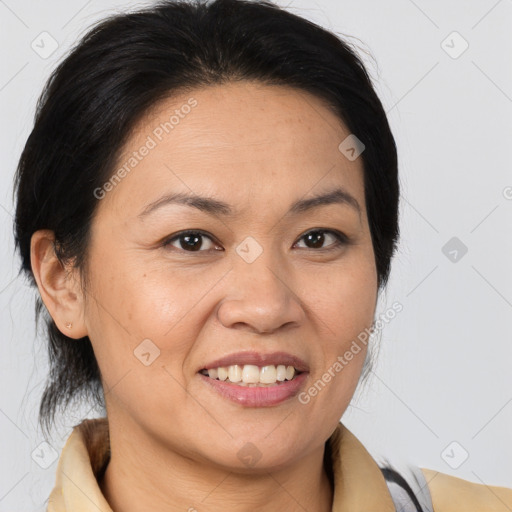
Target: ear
{"x": 58, "y": 285}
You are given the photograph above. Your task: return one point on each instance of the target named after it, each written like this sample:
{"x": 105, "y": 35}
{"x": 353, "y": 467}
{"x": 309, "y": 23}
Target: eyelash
{"x": 341, "y": 239}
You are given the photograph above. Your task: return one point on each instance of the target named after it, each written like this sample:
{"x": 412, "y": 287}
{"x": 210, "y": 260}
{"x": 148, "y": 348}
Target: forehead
{"x": 236, "y": 140}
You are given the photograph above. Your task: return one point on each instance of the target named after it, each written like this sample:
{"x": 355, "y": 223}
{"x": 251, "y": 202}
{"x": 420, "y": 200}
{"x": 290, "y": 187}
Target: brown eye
{"x": 191, "y": 241}
{"x": 317, "y": 238}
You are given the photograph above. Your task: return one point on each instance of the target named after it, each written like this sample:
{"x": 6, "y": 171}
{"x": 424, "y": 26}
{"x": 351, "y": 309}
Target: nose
{"x": 260, "y": 298}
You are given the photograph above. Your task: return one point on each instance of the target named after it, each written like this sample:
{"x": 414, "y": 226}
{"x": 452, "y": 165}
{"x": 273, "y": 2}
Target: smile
{"x": 255, "y": 379}
{"x": 252, "y": 375}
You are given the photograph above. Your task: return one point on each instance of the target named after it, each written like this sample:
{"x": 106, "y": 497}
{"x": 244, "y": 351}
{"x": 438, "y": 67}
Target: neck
{"x": 159, "y": 479}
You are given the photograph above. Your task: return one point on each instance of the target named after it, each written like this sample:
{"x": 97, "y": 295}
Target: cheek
{"x": 142, "y": 326}
{"x": 132, "y": 304}
{"x": 343, "y": 304}
{"x": 344, "y": 299}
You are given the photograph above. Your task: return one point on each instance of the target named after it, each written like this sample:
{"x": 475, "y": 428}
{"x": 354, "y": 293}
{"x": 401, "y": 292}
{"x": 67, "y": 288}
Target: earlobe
{"x": 58, "y": 285}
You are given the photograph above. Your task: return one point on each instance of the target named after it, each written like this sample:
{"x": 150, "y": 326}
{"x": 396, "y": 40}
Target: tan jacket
{"x": 359, "y": 485}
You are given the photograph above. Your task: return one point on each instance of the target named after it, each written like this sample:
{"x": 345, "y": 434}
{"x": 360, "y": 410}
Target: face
{"x": 214, "y": 254}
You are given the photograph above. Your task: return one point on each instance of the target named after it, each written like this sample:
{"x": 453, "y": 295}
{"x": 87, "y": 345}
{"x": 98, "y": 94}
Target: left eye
{"x": 192, "y": 241}
{"x": 316, "y": 239}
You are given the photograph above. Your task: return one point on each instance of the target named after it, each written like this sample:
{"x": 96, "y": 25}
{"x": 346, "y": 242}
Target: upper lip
{"x": 259, "y": 359}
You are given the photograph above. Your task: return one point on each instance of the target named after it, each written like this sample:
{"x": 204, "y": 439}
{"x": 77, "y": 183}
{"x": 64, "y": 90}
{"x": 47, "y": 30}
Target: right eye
{"x": 191, "y": 241}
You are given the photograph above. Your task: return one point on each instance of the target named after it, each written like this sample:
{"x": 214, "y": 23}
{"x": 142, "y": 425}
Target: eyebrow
{"x": 220, "y": 208}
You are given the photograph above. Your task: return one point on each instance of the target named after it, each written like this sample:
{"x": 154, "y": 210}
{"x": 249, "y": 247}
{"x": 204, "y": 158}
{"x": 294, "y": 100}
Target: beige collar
{"x": 359, "y": 485}
{"x": 358, "y": 481}
{"x": 84, "y": 454}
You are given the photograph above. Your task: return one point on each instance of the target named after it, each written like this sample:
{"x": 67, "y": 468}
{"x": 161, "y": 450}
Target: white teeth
{"x": 268, "y": 374}
{"x": 222, "y": 373}
{"x": 235, "y": 373}
{"x": 252, "y": 375}
{"x": 281, "y": 373}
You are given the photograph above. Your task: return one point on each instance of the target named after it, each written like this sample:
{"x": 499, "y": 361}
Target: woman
{"x": 208, "y": 205}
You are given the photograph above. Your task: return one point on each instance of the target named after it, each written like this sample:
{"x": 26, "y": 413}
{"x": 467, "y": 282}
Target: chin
{"x": 252, "y": 452}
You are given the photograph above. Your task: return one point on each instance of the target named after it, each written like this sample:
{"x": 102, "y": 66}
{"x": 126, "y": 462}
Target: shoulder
{"x": 425, "y": 490}
{"x": 450, "y": 493}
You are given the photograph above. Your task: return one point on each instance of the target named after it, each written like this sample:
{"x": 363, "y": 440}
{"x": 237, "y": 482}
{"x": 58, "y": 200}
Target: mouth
{"x": 251, "y": 375}
{"x": 253, "y": 379}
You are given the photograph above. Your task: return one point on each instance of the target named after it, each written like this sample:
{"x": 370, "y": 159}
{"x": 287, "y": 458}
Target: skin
{"x": 174, "y": 441}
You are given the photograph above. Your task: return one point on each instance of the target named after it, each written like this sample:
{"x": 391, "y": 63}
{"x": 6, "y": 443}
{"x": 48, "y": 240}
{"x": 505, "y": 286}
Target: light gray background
{"x": 443, "y": 373}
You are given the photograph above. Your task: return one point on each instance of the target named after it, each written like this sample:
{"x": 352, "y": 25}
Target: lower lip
{"x": 255, "y": 396}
